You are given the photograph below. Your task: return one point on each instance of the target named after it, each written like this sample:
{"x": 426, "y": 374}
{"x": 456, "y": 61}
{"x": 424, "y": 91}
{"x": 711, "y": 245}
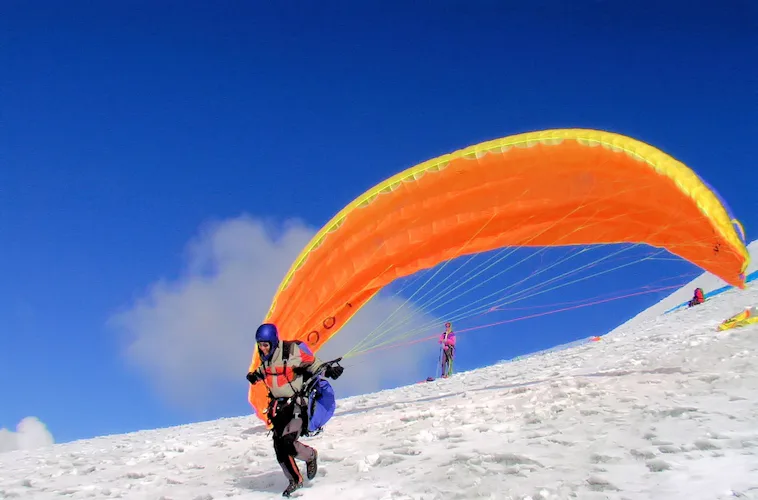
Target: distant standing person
{"x": 447, "y": 341}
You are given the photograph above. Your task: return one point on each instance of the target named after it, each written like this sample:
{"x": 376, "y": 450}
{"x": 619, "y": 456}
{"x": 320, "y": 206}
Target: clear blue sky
{"x": 125, "y": 126}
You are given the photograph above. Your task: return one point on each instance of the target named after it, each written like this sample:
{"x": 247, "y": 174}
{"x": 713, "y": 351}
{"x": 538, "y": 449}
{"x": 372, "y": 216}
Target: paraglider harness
{"x": 306, "y": 398}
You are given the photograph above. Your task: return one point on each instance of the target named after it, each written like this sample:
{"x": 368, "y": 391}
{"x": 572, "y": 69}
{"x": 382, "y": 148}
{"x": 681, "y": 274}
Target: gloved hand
{"x": 333, "y": 372}
{"x": 253, "y": 377}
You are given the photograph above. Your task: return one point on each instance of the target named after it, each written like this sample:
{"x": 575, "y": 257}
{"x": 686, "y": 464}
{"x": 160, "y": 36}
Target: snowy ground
{"x": 666, "y": 409}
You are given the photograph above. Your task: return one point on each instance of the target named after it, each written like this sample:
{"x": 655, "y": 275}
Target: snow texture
{"x": 661, "y": 408}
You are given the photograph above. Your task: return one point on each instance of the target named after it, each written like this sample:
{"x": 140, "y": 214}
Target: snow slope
{"x": 661, "y": 408}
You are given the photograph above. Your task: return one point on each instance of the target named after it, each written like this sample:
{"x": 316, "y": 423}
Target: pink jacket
{"x": 447, "y": 339}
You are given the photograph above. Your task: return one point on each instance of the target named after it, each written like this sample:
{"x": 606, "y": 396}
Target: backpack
{"x": 318, "y": 392}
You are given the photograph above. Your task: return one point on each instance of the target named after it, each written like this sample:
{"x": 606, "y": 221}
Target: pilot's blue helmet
{"x": 267, "y": 332}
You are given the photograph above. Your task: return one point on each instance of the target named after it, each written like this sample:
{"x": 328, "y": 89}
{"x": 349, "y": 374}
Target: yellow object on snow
{"x": 747, "y": 317}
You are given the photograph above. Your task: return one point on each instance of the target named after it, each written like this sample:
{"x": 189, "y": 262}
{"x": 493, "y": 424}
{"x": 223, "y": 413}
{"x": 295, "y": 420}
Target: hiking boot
{"x": 294, "y": 485}
{"x": 311, "y": 466}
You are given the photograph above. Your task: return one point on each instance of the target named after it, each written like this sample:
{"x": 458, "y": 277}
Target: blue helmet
{"x": 267, "y": 332}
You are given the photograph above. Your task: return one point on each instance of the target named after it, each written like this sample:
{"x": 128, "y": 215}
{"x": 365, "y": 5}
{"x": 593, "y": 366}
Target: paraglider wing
{"x": 737, "y": 224}
{"x": 548, "y": 188}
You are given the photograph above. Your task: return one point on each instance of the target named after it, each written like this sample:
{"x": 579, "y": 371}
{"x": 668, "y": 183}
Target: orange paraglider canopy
{"x": 549, "y": 188}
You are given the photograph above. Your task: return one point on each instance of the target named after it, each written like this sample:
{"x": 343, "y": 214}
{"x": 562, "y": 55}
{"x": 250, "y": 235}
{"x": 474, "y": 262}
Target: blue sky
{"x": 140, "y": 140}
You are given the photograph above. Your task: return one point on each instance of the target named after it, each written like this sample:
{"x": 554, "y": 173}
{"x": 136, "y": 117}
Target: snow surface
{"x": 665, "y": 408}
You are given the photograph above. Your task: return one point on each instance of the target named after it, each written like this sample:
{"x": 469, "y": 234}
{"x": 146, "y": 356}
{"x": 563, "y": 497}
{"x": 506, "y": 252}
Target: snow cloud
{"x": 194, "y": 334}
{"x": 30, "y": 433}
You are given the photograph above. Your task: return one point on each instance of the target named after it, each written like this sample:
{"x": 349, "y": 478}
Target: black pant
{"x": 287, "y": 427}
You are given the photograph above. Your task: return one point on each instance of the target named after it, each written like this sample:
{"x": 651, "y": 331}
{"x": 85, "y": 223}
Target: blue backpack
{"x": 320, "y": 395}
{"x": 321, "y": 404}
